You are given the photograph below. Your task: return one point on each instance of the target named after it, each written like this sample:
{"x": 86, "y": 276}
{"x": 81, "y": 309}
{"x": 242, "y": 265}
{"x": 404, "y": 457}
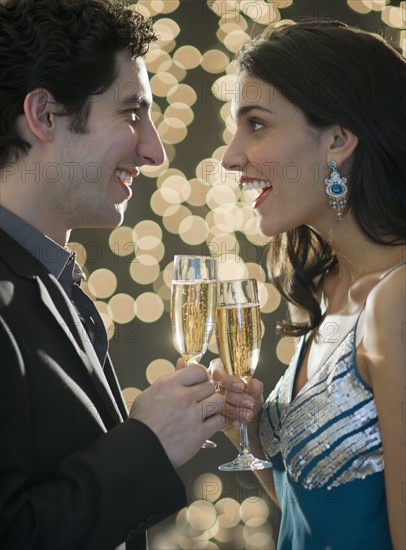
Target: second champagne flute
{"x": 193, "y": 307}
{"x": 239, "y": 342}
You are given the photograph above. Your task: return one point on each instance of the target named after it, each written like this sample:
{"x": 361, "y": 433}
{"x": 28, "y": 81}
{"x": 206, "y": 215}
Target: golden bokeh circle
{"x": 158, "y": 368}
{"x": 182, "y": 93}
{"x": 148, "y": 242}
{"x": 146, "y": 270}
{"x": 175, "y": 69}
{"x": 161, "y": 83}
{"x": 172, "y": 130}
{"x": 231, "y": 267}
{"x": 149, "y": 307}
{"x": 173, "y": 217}
{"x": 122, "y": 308}
{"x": 193, "y": 230}
{"x": 179, "y": 110}
{"x": 235, "y": 40}
{"x": 167, "y": 274}
{"x": 170, "y": 195}
{"x": 273, "y": 301}
{"x": 159, "y": 203}
{"x": 255, "y": 271}
{"x": 189, "y": 56}
{"x": 225, "y": 87}
{"x": 220, "y": 194}
{"x": 102, "y": 283}
{"x": 201, "y": 515}
{"x": 285, "y": 349}
{"x": 228, "y": 510}
{"x": 208, "y": 487}
{"x": 166, "y": 29}
{"x": 215, "y": 61}
{"x": 129, "y": 394}
{"x": 146, "y": 228}
{"x": 121, "y": 241}
{"x": 198, "y": 192}
{"x": 209, "y": 170}
{"x": 177, "y": 184}
{"x": 165, "y": 6}
{"x": 223, "y": 243}
{"x": 254, "y": 512}
{"x": 155, "y": 58}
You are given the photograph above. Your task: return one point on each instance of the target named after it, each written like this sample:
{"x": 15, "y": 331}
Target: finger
{"x": 233, "y": 383}
{"x": 191, "y": 375}
{"x": 216, "y": 369}
{"x": 240, "y": 413}
{"x": 213, "y": 424}
{"x": 203, "y": 391}
{"x": 180, "y": 364}
{"x": 255, "y": 388}
{"x": 240, "y": 398}
{"x": 213, "y": 405}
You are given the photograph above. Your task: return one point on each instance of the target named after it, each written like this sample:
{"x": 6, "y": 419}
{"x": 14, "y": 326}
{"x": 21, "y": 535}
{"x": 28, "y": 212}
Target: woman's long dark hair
{"x": 337, "y": 74}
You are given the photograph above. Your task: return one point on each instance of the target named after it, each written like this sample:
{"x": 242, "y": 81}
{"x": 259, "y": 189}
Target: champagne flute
{"x": 193, "y": 307}
{"x": 239, "y": 341}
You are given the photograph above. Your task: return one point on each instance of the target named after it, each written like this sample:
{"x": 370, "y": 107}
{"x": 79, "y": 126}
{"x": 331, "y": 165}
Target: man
{"x": 75, "y": 470}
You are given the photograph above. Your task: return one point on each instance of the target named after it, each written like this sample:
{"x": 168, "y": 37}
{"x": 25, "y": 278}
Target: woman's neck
{"x": 356, "y": 254}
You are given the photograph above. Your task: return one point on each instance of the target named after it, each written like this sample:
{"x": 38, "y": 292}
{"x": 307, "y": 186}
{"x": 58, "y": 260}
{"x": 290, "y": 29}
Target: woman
{"x": 320, "y": 115}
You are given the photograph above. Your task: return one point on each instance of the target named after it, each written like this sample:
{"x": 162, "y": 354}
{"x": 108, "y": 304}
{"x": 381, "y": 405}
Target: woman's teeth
{"x": 124, "y": 177}
{"x": 255, "y": 184}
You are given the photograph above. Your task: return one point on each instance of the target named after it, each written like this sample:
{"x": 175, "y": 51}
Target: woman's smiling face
{"x": 278, "y": 152}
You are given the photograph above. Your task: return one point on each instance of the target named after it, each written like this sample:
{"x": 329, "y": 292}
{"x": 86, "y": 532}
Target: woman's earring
{"x": 336, "y": 190}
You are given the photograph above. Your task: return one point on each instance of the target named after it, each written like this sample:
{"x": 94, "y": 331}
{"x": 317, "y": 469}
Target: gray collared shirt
{"x": 61, "y": 263}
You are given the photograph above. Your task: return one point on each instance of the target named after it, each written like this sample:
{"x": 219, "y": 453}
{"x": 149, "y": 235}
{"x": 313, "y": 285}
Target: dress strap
{"x": 389, "y": 271}
{"x": 381, "y": 278}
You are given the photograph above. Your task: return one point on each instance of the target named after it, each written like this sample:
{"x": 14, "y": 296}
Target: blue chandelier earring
{"x": 336, "y": 190}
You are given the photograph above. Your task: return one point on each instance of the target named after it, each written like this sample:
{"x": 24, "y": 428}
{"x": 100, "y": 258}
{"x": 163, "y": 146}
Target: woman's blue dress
{"x": 328, "y": 460}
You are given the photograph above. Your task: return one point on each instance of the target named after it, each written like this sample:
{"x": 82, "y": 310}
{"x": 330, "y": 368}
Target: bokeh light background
{"x": 190, "y": 205}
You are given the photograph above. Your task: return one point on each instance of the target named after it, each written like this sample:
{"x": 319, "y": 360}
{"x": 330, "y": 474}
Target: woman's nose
{"x": 234, "y": 157}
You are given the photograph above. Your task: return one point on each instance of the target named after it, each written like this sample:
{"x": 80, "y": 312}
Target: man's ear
{"x": 343, "y": 144}
{"x": 39, "y": 110}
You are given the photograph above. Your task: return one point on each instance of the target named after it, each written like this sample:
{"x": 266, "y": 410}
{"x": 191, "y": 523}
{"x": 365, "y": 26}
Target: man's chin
{"x": 111, "y": 221}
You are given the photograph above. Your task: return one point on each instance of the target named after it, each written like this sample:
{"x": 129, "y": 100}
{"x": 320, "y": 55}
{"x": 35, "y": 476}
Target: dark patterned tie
{"x": 91, "y": 321}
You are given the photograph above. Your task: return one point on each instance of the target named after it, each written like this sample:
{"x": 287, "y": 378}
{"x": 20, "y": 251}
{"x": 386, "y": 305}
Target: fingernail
{"x": 248, "y": 404}
{"x": 239, "y": 386}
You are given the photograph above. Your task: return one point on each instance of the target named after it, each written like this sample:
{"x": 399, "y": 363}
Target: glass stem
{"x": 244, "y": 442}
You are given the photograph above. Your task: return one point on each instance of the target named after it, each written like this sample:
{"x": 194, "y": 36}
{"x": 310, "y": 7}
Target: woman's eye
{"x": 256, "y": 125}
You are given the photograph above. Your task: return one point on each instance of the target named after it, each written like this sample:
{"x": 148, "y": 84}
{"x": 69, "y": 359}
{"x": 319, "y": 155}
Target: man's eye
{"x": 134, "y": 115}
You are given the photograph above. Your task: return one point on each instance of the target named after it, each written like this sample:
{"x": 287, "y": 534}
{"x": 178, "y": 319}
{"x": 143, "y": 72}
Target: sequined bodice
{"x": 329, "y": 434}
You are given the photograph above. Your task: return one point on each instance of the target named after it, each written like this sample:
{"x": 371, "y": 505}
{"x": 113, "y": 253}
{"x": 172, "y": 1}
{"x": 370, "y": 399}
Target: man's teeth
{"x": 124, "y": 177}
{"x": 255, "y": 184}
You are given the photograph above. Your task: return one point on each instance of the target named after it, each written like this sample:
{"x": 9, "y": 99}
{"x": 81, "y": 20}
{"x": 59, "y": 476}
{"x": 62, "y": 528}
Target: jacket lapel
{"x": 62, "y": 311}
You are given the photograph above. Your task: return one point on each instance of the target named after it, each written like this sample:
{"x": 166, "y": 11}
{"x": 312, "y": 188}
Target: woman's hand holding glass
{"x": 239, "y": 340}
{"x": 243, "y": 401}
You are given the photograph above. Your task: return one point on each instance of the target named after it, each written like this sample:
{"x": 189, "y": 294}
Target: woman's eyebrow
{"x": 241, "y": 111}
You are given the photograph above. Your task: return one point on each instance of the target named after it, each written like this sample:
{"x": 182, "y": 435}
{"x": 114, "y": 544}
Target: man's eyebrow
{"x": 138, "y": 99}
{"x": 247, "y": 108}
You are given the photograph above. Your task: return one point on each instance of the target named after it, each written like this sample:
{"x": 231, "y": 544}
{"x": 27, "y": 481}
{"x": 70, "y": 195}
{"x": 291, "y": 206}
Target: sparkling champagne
{"x": 193, "y": 306}
{"x": 239, "y": 338}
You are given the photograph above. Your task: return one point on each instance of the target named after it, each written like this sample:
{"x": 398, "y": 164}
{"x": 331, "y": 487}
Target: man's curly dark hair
{"x": 68, "y": 47}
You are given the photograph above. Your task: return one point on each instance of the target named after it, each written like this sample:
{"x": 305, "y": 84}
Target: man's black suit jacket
{"x": 75, "y": 472}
